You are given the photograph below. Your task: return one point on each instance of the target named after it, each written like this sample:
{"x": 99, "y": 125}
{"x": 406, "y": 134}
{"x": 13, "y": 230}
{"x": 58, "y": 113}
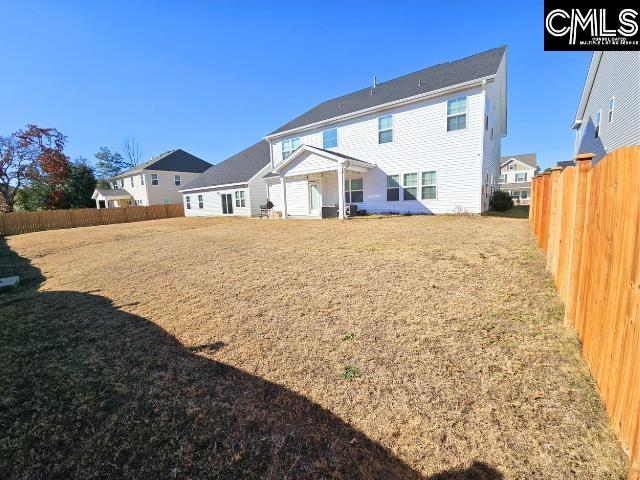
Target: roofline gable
{"x": 386, "y": 106}
{"x": 323, "y": 153}
{"x": 509, "y": 159}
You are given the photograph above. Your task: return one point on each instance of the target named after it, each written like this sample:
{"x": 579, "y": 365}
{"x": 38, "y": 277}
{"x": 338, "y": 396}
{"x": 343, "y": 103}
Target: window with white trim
{"x": 166, "y": 201}
{"x": 240, "y": 200}
{"x": 596, "y": 122}
{"x": 142, "y": 179}
{"x": 114, "y": 184}
{"x": 131, "y": 180}
{"x": 503, "y": 178}
{"x": 330, "y": 138}
{"x": 139, "y": 203}
{"x": 393, "y": 188}
{"x": 176, "y": 180}
{"x": 154, "y": 179}
{"x": 612, "y": 102}
{"x": 429, "y": 186}
{"x": 353, "y": 190}
{"x": 187, "y": 200}
{"x": 456, "y": 114}
{"x": 512, "y": 166}
{"x": 410, "y": 184}
{"x": 200, "y": 202}
{"x": 524, "y": 195}
{"x": 289, "y": 145}
{"x": 521, "y": 177}
{"x": 385, "y": 129}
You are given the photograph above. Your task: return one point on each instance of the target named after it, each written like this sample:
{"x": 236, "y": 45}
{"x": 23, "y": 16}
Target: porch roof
{"x": 110, "y": 193}
{"x": 328, "y": 154}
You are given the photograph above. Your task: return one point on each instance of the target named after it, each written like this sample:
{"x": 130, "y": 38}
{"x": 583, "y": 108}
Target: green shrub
{"x": 350, "y": 373}
{"x": 500, "y": 201}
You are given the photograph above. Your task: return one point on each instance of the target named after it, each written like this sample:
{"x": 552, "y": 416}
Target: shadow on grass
{"x": 88, "y": 390}
{"x": 519, "y": 211}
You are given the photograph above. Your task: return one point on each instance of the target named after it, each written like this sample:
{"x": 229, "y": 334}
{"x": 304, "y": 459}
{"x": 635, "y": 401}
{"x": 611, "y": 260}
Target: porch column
{"x": 341, "y": 190}
{"x": 284, "y": 197}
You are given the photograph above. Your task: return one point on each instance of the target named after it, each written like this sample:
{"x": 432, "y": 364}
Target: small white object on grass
{"x": 8, "y": 283}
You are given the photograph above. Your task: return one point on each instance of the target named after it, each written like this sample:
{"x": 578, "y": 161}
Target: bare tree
{"x": 131, "y": 151}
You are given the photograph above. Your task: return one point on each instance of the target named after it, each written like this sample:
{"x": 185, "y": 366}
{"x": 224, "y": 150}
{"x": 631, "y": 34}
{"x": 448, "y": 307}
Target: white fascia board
{"x": 212, "y": 186}
{"x": 385, "y": 106}
{"x": 588, "y": 86}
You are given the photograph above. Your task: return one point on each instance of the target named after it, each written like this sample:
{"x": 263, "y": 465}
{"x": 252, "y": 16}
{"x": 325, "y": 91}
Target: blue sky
{"x": 214, "y": 77}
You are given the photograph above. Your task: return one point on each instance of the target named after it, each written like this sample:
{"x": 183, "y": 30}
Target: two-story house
{"x": 156, "y": 182}
{"x": 608, "y": 115}
{"x": 426, "y": 142}
{"x": 516, "y": 172}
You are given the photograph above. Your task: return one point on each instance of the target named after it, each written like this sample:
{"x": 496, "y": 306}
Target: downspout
{"x": 482, "y": 135}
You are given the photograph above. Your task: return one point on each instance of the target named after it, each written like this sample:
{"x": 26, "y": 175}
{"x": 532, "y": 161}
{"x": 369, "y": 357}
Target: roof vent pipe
{"x": 375, "y": 82}
{"x": 420, "y": 82}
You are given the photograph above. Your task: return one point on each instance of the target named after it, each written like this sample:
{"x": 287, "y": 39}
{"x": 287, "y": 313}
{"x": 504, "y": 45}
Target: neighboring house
{"x": 426, "y": 142}
{"x": 516, "y": 172}
{"x": 156, "y": 182}
{"x": 231, "y": 187}
{"x": 608, "y": 115}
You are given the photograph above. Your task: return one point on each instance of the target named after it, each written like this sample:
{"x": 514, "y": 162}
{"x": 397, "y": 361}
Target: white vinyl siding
{"x": 617, "y": 77}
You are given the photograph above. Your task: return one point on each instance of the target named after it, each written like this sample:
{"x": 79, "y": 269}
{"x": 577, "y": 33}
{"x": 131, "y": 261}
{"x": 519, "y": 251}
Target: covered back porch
{"x": 316, "y": 183}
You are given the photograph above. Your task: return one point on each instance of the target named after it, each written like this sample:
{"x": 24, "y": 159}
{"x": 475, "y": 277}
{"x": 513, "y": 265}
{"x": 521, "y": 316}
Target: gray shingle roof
{"x": 172, "y": 161}
{"x": 427, "y": 80}
{"x": 113, "y": 192}
{"x": 527, "y": 158}
{"x": 239, "y": 168}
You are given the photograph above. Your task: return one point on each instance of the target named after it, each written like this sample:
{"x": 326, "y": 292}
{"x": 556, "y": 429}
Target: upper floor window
{"x": 596, "y": 122}
{"x": 200, "y": 201}
{"x": 612, "y": 102}
{"x": 353, "y": 190}
{"x": 330, "y": 138}
{"x": 429, "y": 186}
{"x": 187, "y": 200}
{"x": 393, "y": 188}
{"x": 289, "y": 145}
{"x": 132, "y": 181}
{"x": 456, "y": 114}
{"x": 122, "y": 183}
{"x": 240, "y": 200}
{"x": 385, "y": 129}
{"x": 521, "y": 177}
{"x": 503, "y": 178}
{"x": 410, "y": 186}
{"x": 114, "y": 184}
{"x": 176, "y": 179}
{"x": 512, "y": 166}
{"x": 166, "y": 201}
{"x": 142, "y": 179}
{"x": 154, "y": 179}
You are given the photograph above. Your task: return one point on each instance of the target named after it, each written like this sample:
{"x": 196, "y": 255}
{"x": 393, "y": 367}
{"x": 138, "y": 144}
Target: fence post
{"x": 583, "y": 166}
{"x": 555, "y": 222}
{"x": 543, "y": 238}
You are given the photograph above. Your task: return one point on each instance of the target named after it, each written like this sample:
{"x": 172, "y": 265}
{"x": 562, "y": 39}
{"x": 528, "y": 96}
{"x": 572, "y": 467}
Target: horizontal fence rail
{"x": 25, "y": 222}
{"x": 588, "y": 222}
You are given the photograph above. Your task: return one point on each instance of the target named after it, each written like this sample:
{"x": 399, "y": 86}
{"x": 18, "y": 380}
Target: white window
{"x": 187, "y": 200}
{"x": 289, "y": 145}
{"x": 457, "y": 114}
{"x": 503, "y": 178}
{"x": 240, "y": 201}
{"x": 521, "y": 177}
{"x": 330, "y": 138}
{"x": 114, "y": 184}
{"x": 131, "y": 180}
{"x": 597, "y": 123}
{"x": 393, "y": 188}
{"x": 612, "y": 102}
{"x": 176, "y": 179}
{"x": 200, "y": 202}
{"x": 142, "y": 179}
{"x": 410, "y": 184}
{"x": 429, "y": 186}
{"x": 154, "y": 179}
{"x": 385, "y": 129}
{"x": 353, "y": 190}
{"x": 512, "y": 166}
{"x": 139, "y": 203}
{"x": 524, "y": 194}
{"x": 166, "y": 201}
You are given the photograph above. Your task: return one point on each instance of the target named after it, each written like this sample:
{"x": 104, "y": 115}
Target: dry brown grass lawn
{"x": 192, "y": 348}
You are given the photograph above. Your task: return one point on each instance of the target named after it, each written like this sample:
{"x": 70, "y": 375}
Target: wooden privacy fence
{"x": 587, "y": 220}
{"x": 24, "y": 222}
